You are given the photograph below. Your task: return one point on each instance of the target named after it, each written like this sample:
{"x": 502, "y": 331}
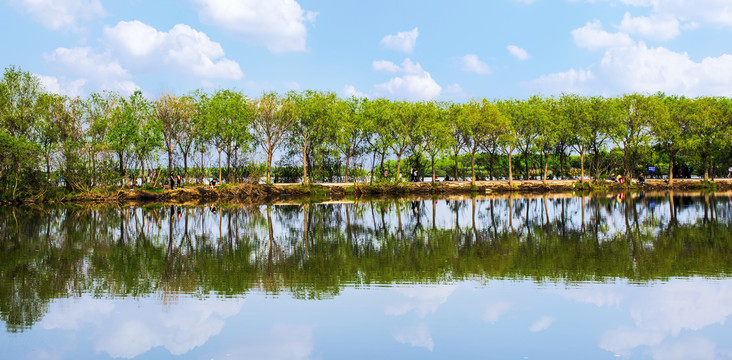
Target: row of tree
{"x": 96, "y": 141}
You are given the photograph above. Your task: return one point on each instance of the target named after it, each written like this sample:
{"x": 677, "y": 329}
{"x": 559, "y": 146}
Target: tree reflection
{"x": 314, "y": 250}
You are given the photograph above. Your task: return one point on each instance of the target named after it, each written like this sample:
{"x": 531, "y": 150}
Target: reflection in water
{"x": 173, "y": 254}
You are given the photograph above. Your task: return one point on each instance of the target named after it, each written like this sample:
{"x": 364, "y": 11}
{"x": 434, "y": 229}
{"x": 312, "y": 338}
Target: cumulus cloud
{"x": 385, "y": 66}
{"x": 713, "y": 12}
{"x": 593, "y": 37}
{"x": 401, "y": 41}
{"x": 61, "y": 86}
{"x": 414, "y": 84}
{"x": 572, "y": 81}
{"x": 350, "y": 90}
{"x": 280, "y": 25}
{"x": 98, "y": 69}
{"x": 518, "y": 52}
{"x": 183, "y": 48}
{"x": 653, "y": 28}
{"x": 630, "y": 66}
{"x": 471, "y": 63}
{"x": 416, "y": 336}
{"x": 61, "y": 14}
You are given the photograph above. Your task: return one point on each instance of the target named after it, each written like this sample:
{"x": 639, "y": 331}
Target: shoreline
{"x": 262, "y": 193}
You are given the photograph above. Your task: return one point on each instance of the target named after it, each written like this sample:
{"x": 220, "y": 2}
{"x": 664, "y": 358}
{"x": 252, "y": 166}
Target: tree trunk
{"x": 546, "y": 167}
{"x": 348, "y": 159}
{"x": 185, "y": 167}
{"x": 219, "y": 150}
{"x": 472, "y": 168}
{"x": 433, "y": 170}
{"x": 456, "y": 167}
{"x": 582, "y": 167}
{"x": 671, "y": 170}
{"x": 269, "y": 166}
{"x": 510, "y": 173}
{"x": 304, "y": 164}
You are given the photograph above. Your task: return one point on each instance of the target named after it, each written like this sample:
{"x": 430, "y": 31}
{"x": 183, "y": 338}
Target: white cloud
{"x": 593, "y": 37}
{"x": 456, "y": 90}
{"x": 630, "y": 66}
{"x": 55, "y": 85}
{"x": 714, "y": 12}
{"x": 654, "y": 27}
{"x": 542, "y": 324}
{"x": 471, "y": 63}
{"x": 61, "y": 14}
{"x": 280, "y": 25}
{"x": 350, "y": 90}
{"x": 98, "y": 69}
{"x": 693, "y": 348}
{"x": 414, "y": 84}
{"x": 639, "y": 68}
{"x": 571, "y": 81}
{"x": 518, "y": 52}
{"x": 416, "y": 336}
{"x": 401, "y": 41}
{"x": 385, "y": 66}
{"x": 187, "y": 50}
{"x": 491, "y": 312}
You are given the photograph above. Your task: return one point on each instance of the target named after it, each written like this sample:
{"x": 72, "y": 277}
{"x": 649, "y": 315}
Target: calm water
{"x": 555, "y": 277}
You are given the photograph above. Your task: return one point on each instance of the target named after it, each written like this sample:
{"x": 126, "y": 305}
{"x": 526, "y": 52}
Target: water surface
{"x": 556, "y": 276}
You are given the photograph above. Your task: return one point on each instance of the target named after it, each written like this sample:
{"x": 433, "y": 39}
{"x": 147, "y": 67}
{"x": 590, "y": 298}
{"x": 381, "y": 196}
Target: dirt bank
{"x": 256, "y": 193}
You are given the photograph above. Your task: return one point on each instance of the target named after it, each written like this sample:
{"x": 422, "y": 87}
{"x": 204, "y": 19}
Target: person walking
{"x": 172, "y": 181}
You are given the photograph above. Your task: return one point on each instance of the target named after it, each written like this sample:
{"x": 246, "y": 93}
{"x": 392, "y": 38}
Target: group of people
{"x": 621, "y": 180}
{"x": 176, "y": 181}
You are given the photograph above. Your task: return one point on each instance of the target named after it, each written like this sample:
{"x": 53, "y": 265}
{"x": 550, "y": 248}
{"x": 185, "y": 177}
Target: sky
{"x": 402, "y": 50}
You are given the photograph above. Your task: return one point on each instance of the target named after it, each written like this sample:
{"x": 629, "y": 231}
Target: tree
{"x": 633, "y": 130}
{"x": 174, "y": 114}
{"x": 351, "y": 132}
{"x": 508, "y": 138}
{"x": 604, "y": 117}
{"x": 226, "y": 122}
{"x": 314, "y": 115}
{"x": 435, "y": 132}
{"x": 671, "y": 128}
{"x": 456, "y": 118}
{"x": 99, "y": 109}
{"x": 544, "y": 116}
{"x": 575, "y": 116}
{"x": 273, "y": 118}
{"x": 708, "y": 130}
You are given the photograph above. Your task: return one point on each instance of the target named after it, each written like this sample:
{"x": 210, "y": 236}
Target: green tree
{"x": 273, "y": 118}
{"x": 435, "y": 132}
{"x": 351, "y": 132}
{"x": 633, "y": 130}
{"x": 174, "y": 114}
{"x": 671, "y": 128}
{"x": 316, "y": 112}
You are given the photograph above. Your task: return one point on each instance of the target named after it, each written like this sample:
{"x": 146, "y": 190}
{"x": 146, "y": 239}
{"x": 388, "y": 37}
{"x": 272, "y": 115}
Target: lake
{"x": 640, "y": 276}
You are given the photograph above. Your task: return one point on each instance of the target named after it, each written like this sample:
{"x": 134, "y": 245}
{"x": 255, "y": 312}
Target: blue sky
{"x": 414, "y": 50}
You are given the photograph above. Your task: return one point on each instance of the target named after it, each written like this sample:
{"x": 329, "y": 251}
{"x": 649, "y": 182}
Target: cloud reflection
{"x": 416, "y": 336}
{"x": 129, "y": 329}
{"x": 423, "y": 300}
{"x": 661, "y": 311}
